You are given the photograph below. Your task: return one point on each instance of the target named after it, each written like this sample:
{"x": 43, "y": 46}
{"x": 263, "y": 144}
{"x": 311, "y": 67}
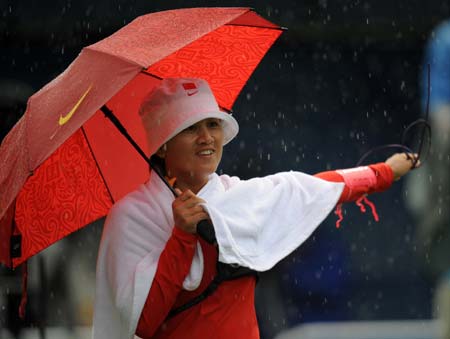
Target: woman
{"x": 151, "y": 260}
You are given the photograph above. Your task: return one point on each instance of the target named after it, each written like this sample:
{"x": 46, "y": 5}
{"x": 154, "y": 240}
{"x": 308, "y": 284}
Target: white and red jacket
{"x": 146, "y": 267}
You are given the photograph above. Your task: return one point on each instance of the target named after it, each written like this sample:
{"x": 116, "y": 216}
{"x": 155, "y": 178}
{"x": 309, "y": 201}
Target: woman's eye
{"x": 214, "y": 124}
{"x": 191, "y": 129}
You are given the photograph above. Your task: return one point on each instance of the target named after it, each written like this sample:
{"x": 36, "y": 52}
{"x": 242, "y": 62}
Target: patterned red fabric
{"x": 64, "y": 194}
{"x": 225, "y": 58}
{"x": 114, "y": 154}
{"x": 151, "y": 37}
{"x": 109, "y": 71}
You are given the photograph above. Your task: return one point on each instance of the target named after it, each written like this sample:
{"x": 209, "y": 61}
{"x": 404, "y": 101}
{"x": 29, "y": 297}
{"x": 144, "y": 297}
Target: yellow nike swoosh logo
{"x": 65, "y": 119}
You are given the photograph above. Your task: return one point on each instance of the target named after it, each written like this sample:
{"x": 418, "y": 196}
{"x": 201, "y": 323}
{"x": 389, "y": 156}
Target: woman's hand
{"x": 187, "y": 212}
{"x": 402, "y": 163}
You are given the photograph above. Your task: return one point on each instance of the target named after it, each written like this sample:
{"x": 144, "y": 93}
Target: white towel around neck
{"x": 257, "y": 222}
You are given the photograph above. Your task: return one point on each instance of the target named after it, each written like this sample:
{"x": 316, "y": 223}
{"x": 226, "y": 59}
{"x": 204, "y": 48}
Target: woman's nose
{"x": 204, "y": 135}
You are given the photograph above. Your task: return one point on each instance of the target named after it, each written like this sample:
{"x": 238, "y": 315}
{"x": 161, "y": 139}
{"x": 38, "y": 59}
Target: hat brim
{"x": 230, "y": 125}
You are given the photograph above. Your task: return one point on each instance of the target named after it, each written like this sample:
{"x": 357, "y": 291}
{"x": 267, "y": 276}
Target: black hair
{"x": 158, "y": 164}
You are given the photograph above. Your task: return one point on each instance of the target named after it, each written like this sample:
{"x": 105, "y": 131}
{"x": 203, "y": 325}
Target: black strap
{"x": 225, "y": 272}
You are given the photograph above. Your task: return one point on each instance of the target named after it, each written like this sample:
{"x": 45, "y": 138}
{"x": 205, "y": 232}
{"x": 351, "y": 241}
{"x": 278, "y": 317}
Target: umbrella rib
{"x": 99, "y": 169}
{"x": 144, "y": 71}
{"x": 257, "y": 26}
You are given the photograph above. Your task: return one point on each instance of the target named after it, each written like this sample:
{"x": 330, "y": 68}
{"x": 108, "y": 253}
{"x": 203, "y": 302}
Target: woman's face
{"x": 194, "y": 153}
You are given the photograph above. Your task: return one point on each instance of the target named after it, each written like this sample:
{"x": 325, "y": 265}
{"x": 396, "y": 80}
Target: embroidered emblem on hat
{"x": 190, "y": 88}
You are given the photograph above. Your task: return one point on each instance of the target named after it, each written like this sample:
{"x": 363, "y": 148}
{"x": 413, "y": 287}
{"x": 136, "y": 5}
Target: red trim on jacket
{"x": 229, "y": 312}
{"x": 383, "y": 173}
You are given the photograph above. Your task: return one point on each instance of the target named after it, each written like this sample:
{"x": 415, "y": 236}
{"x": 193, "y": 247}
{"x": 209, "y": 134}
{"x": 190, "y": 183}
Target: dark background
{"x": 343, "y": 78}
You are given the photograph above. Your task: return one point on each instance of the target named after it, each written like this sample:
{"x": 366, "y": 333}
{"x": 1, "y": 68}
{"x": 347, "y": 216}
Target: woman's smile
{"x": 195, "y": 153}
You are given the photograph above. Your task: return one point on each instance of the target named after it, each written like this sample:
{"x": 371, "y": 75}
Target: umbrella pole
{"x": 204, "y": 227}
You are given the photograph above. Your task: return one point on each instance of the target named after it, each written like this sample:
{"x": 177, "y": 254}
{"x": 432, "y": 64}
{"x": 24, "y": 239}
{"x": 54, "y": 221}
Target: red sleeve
{"x": 173, "y": 267}
{"x": 383, "y": 173}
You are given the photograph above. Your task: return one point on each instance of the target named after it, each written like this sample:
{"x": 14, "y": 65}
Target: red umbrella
{"x": 63, "y": 164}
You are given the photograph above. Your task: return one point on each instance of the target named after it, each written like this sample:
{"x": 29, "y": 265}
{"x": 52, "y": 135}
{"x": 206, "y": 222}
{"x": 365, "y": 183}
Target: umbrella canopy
{"x": 63, "y": 164}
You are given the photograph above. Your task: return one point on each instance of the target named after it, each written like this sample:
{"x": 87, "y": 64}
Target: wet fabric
{"x": 257, "y": 222}
{"x": 229, "y": 312}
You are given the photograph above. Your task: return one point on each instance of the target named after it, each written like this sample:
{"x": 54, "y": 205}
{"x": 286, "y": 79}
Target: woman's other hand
{"x": 402, "y": 163}
{"x": 187, "y": 212}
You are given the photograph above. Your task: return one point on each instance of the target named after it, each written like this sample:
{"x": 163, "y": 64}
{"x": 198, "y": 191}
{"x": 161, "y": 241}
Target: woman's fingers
{"x": 402, "y": 163}
{"x": 191, "y": 212}
{"x": 188, "y": 195}
{"x": 413, "y": 158}
{"x": 187, "y": 211}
